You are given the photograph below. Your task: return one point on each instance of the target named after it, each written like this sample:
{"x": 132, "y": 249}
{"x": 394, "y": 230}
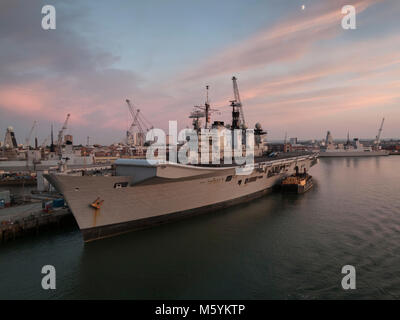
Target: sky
{"x": 298, "y": 70}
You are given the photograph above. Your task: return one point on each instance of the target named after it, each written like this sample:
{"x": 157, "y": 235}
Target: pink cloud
{"x": 21, "y": 100}
{"x": 287, "y": 41}
{"x": 287, "y": 78}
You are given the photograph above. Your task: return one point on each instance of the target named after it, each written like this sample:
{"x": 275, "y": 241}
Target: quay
{"x": 33, "y": 213}
{"x": 31, "y": 219}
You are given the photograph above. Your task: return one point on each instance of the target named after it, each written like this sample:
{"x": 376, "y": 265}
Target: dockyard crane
{"x": 130, "y": 131}
{"x": 28, "y": 138}
{"x": 378, "y": 137}
{"x": 237, "y": 103}
{"x": 61, "y": 133}
{"x": 139, "y": 122}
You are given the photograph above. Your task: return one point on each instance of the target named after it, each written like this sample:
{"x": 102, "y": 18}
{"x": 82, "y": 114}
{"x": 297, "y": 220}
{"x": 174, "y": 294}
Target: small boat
{"x": 297, "y": 183}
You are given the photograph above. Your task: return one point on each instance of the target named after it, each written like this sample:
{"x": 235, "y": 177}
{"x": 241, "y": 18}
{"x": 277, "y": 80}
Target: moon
{"x": 303, "y": 7}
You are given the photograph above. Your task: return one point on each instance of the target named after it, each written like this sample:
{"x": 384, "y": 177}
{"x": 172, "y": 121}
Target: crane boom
{"x": 28, "y": 138}
{"x": 61, "y": 132}
{"x": 378, "y": 137}
{"x": 130, "y": 107}
{"x": 238, "y": 102}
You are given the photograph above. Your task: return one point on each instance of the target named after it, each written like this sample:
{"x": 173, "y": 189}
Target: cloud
{"x": 294, "y": 71}
{"x": 47, "y": 74}
{"x": 287, "y": 41}
{"x": 299, "y": 72}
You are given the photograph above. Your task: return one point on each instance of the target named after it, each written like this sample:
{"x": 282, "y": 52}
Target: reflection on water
{"x": 277, "y": 247}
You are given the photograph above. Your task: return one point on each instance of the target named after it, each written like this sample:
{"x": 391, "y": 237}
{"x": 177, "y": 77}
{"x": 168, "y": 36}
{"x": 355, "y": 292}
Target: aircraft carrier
{"x": 143, "y": 193}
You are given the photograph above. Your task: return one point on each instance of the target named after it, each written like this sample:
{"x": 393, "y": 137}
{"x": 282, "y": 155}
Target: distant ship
{"x": 142, "y": 193}
{"x": 352, "y": 149}
{"x": 365, "y": 152}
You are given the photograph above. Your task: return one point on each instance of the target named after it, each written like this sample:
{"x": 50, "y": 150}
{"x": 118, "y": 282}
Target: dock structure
{"x": 31, "y": 220}
{"x": 23, "y": 166}
{"x": 20, "y": 220}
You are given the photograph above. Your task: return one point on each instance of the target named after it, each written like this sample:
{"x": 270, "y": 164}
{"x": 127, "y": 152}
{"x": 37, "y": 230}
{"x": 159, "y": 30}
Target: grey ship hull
{"x": 350, "y": 153}
{"x": 143, "y": 195}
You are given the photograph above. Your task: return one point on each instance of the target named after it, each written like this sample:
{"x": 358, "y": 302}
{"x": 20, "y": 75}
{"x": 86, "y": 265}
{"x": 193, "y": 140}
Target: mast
{"x": 207, "y": 110}
{"x": 52, "y": 140}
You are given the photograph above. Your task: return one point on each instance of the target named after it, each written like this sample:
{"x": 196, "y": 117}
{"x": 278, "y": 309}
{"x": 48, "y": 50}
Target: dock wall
{"x": 34, "y": 224}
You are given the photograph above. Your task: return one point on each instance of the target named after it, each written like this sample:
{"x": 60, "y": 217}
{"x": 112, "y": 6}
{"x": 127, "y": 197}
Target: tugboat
{"x": 297, "y": 183}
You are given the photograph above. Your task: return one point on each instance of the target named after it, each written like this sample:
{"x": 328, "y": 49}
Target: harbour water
{"x": 276, "y": 247}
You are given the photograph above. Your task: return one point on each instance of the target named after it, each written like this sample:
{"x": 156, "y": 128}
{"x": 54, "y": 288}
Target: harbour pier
{"x": 31, "y": 219}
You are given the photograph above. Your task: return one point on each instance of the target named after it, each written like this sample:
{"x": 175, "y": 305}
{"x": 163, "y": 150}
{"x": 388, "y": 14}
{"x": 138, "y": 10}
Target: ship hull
{"x": 353, "y": 154}
{"x": 96, "y": 233}
{"x": 158, "y": 200}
